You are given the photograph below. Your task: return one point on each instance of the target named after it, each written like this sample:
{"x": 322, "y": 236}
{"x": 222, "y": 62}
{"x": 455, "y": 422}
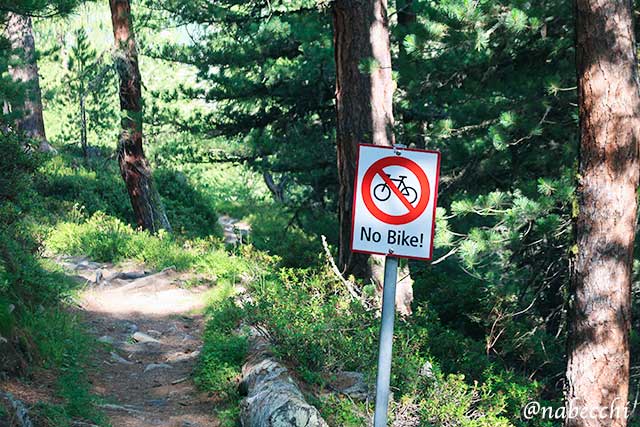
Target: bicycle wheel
{"x": 381, "y": 192}
{"x": 411, "y": 194}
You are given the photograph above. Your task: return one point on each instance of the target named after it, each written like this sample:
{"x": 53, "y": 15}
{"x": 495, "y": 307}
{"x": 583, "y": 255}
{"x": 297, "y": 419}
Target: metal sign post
{"x": 394, "y": 214}
{"x": 386, "y": 340}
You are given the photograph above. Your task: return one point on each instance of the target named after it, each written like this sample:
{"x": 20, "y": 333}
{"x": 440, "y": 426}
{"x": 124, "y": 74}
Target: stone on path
{"x": 117, "y": 358}
{"x": 143, "y": 338}
{"x": 154, "y": 366}
{"x": 106, "y": 339}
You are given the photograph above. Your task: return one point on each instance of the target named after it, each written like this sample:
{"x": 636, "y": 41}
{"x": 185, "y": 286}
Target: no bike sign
{"x": 395, "y": 201}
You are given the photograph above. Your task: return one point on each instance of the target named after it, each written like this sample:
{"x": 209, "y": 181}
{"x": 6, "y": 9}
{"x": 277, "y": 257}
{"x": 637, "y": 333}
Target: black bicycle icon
{"x": 382, "y": 192}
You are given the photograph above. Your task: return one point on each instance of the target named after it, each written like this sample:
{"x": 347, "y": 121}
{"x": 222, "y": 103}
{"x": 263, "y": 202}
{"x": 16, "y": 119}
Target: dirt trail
{"x": 150, "y": 326}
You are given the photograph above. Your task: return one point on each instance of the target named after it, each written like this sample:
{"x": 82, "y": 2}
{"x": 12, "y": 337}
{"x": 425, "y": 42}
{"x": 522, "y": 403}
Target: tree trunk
{"x": 134, "y": 167}
{"x": 609, "y": 107}
{"x": 277, "y": 190}
{"x": 31, "y": 122}
{"x": 83, "y": 127}
{"x": 364, "y": 90}
{"x": 406, "y": 16}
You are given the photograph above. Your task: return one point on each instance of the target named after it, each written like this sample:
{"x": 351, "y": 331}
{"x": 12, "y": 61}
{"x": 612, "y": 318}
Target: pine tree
{"x": 134, "y": 167}
{"x": 364, "y": 92}
{"x": 31, "y": 121}
{"x": 609, "y": 106}
{"x": 86, "y": 92}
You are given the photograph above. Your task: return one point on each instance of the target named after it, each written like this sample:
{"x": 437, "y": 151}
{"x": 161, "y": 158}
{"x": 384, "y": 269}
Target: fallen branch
{"x": 22, "y": 414}
{"x": 347, "y": 283}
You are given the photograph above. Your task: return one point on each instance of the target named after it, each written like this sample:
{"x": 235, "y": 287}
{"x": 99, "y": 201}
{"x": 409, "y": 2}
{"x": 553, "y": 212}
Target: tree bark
{"x": 134, "y": 167}
{"x": 83, "y": 127}
{"x": 364, "y": 89}
{"x": 609, "y": 108}
{"x": 31, "y": 122}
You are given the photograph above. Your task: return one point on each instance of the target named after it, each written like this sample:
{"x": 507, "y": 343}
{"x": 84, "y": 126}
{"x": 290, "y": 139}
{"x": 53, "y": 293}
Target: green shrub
{"x": 273, "y": 232}
{"x": 224, "y": 349}
{"x": 312, "y": 321}
{"x": 97, "y": 187}
{"x": 316, "y": 326}
{"x": 107, "y": 239}
{"x": 451, "y": 401}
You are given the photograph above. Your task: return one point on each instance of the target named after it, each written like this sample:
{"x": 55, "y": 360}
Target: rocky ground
{"x": 147, "y": 329}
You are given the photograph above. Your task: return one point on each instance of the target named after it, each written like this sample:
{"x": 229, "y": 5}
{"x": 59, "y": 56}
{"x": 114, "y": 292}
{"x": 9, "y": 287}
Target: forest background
{"x": 239, "y": 117}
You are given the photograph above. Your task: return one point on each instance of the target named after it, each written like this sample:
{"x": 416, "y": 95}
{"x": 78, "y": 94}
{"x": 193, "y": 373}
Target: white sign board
{"x": 394, "y": 202}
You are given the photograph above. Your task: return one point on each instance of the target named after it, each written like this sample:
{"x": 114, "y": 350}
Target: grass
{"x": 223, "y": 353}
{"x": 107, "y": 239}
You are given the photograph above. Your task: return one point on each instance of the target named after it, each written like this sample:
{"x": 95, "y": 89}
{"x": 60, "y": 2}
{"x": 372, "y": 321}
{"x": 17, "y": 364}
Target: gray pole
{"x": 386, "y": 341}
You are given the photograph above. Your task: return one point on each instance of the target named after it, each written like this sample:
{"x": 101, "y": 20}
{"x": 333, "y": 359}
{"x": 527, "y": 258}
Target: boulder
{"x": 351, "y": 384}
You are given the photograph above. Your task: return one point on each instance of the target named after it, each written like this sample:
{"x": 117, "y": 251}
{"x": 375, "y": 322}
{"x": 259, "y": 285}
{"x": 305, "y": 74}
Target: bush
{"x": 223, "y": 353}
{"x": 190, "y": 212}
{"x": 316, "y": 326}
{"x": 107, "y": 239}
{"x": 96, "y": 187}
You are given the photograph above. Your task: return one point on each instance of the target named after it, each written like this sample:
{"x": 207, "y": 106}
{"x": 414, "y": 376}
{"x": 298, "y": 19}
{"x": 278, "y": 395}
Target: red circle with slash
{"x": 378, "y": 169}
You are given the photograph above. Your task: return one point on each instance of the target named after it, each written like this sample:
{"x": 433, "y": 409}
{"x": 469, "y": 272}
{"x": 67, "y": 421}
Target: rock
{"x": 154, "y": 366}
{"x": 189, "y": 424}
{"x": 131, "y": 328}
{"x": 351, "y": 384}
{"x": 158, "y": 403}
{"x": 234, "y": 230}
{"x": 106, "y": 339}
{"x": 143, "y": 338}
{"x": 171, "y": 329}
{"x": 124, "y": 408}
{"x": 117, "y": 358}
{"x": 164, "y": 279}
{"x": 154, "y": 333}
{"x": 99, "y": 277}
{"x": 426, "y": 370}
{"x": 130, "y": 275}
{"x": 180, "y": 356}
{"x": 273, "y": 398}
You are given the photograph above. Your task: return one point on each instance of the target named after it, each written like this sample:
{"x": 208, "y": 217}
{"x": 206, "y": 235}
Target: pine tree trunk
{"x": 134, "y": 167}
{"x": 31, "y": 122}
{"x": 83, "y": 127}
{"x": 609, "y": 108}
{"x": 364, "y": 90}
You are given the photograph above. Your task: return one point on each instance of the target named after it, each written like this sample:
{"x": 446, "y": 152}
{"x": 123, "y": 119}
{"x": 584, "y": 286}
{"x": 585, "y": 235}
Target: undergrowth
{"x": 438, "y": 375}
{"x": 38, "y": 332}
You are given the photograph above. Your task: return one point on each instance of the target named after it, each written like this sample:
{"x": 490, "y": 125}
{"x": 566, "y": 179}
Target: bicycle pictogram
{"x": 382, "y": 192}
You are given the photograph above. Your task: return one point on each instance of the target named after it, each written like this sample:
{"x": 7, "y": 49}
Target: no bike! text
{"x": 400, "y": 237}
